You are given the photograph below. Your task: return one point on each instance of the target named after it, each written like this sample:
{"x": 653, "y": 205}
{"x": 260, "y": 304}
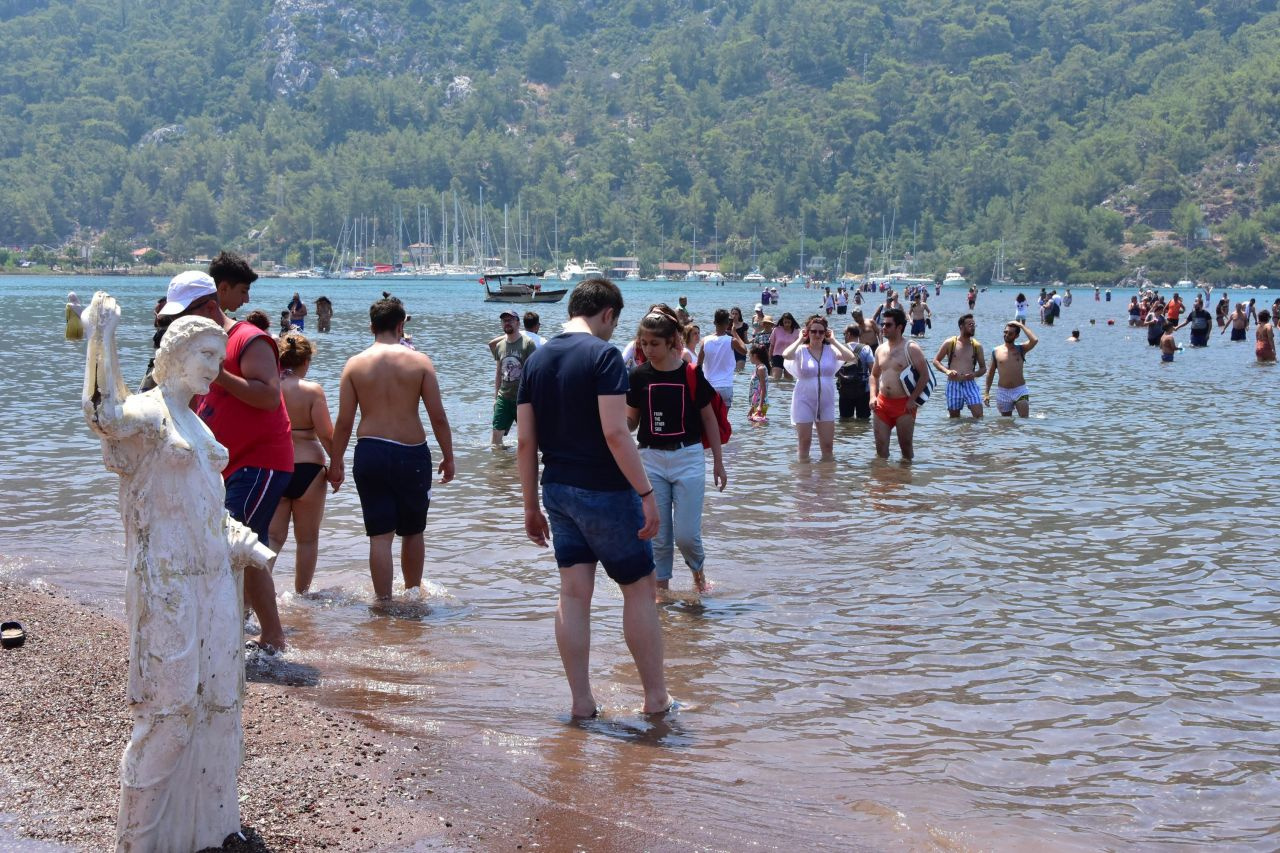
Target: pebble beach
{"x": 313, "y": 778}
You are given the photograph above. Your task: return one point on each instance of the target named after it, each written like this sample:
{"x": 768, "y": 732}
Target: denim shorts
{"x": 590, "y": 526}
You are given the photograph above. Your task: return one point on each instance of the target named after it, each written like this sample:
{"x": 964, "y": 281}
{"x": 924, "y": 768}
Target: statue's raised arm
{"x": 104, "y": 387}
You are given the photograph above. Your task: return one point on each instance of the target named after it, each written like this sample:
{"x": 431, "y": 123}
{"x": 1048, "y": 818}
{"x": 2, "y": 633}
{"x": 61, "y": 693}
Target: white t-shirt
{"x": 717, "y": 360}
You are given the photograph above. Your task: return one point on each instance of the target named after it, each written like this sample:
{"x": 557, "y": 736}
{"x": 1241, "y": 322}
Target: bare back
{"x": 386, "y": 382}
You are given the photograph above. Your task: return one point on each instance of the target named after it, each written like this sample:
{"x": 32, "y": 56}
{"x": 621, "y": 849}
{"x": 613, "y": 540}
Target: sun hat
{"x": 185, "y": 288}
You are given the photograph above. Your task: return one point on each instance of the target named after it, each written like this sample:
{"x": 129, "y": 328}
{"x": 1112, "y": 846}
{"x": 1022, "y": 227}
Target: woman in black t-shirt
{"x": 669, "y": 405}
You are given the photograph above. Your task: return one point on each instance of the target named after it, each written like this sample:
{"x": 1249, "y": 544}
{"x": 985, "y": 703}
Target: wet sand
{"x": 312, "y": 778}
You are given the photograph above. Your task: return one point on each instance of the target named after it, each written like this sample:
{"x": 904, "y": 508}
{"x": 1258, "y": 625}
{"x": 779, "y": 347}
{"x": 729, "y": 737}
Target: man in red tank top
{"x": 245, "y": 411}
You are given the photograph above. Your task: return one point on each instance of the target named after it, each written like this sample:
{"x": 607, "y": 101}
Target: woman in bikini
{"x": 303, "y": 500}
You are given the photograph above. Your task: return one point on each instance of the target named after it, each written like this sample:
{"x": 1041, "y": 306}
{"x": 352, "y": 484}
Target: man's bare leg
{"x": 804, "y": 440}
{"x": 413, "y": 555}
{"x": 1023, "y": 407}
{"x": 881, "y": 431}
{"x": 975, "y": 410}
{"x": 643, "y": 633}
{"x": 827, "y": 439}
{"x": 380, "y": 564}
{"x": 260, "y": 591}
{"x": 573, "y": 633}
{"x": 906, "y": 433}
{"x": 495, "y": 438}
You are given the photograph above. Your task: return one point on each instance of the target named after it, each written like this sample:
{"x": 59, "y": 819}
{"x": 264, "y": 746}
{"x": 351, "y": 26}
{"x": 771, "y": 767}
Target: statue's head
{"x": 191, "y": 349}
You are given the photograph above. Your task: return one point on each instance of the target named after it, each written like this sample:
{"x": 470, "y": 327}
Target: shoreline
{"x": 312, "y": 777}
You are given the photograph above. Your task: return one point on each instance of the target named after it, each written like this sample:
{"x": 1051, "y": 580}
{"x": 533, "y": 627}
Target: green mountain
{"x": 1079, "y": 131}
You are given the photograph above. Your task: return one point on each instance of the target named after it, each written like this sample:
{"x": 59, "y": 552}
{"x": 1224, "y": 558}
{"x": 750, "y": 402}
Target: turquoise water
{"x": 1057, "y": 633}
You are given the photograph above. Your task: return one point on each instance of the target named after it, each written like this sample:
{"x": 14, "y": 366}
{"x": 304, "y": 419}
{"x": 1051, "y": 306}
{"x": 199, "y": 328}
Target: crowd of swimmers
{"x": 611, "y": 440}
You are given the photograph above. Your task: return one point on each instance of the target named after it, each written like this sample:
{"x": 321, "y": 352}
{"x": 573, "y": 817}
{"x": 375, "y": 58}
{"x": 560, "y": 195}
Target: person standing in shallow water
{"x": 324, "y": 314}
{"x": 669, "y": 404}
{"x": 964, "y": 364}
{"x": 893, "y": 408}
{"x": 312, "y": 428}
{"x": 1008, "y": 360}
{"x": 392, "y": 466}
{"x": 572, "y": 406}
{"x": 1265, "y": 349}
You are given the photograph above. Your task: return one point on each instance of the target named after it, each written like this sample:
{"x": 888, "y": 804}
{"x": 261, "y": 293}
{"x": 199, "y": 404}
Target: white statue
{"x": 185, "y": 556}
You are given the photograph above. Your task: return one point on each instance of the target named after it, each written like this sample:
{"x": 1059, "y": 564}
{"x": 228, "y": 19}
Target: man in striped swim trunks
{"x": 964, "y": 363}
{"x": 1008, "y": 360}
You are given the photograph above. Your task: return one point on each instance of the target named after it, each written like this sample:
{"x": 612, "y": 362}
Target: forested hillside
{"x": 1075, "y": 130}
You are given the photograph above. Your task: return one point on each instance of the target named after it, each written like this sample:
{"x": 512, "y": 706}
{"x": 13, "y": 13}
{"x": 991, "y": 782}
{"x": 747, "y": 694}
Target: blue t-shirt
{"x": 562, "y": 379}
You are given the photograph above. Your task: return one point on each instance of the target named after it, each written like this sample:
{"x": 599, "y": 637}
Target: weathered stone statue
{"x": 185, "y": 556}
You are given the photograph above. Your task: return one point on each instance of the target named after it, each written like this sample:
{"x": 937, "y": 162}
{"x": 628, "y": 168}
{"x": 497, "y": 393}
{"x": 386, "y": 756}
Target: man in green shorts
{"x": 510, "y": 350}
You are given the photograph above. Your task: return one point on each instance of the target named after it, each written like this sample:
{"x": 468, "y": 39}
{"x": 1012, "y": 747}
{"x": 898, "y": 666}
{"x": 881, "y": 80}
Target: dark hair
{"x": 295, "y": 349}
{"x": 531, "y": 320}
{"x": 819, "y": 318}
{"x": 1075, "y": 333}
{"x": 230, "y": 268}
{"x": 386, "y": 314}
{"x": 782, "y": 321}
{"x": 592, "y": 296}
{"x": 660, "y": 322}
{"x": 761, "y": 352}
{"x": 963, "y": 317}
{"x": 897, "y": 315}
{"x": 720, "y": 318}
{"x": 1264, "y": 316}
{"x": 258, "y": 317}
{"x": 853, "y": 327}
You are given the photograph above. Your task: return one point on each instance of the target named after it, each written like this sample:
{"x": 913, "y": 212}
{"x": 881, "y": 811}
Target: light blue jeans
{"x": 679, "y": 480}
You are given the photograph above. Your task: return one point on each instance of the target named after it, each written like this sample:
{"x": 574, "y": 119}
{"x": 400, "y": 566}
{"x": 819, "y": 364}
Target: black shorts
{"x": 394, "y": 484}
{"x": 775, "y": 361}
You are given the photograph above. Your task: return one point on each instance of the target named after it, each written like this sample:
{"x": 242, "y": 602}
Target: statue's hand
{"x": 246, "y": 549}
{"x": 103, "y": 314}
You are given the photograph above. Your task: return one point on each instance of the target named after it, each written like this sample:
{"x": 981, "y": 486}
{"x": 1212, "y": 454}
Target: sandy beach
{"x": 312, "y": 778}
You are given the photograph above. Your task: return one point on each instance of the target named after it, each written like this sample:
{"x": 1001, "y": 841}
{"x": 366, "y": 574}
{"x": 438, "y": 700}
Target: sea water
{"x": 1052, "y": 633}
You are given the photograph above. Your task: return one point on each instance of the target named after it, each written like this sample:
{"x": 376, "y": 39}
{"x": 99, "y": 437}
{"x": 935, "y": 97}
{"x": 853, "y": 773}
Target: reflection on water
{"x": 1056, "y": 633}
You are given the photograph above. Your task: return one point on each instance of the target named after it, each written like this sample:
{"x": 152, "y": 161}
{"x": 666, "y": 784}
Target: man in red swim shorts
{"x": 892, "y": 406}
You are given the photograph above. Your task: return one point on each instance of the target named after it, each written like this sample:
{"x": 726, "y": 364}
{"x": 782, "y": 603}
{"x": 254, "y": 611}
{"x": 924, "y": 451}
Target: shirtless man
{"x": 890, "y": 405}
{"x": 1238, "y": 322}
{"x": 1169, "y": 344}
{"x": 1008, "y": 360}
{"x": 919, "y": 317}
{"x": 964, "y": 364}
{"x": 869, "y": 334}
{"x": 392, "y": 467}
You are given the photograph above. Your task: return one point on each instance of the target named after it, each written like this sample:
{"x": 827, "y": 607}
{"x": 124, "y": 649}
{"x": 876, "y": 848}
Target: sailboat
{"x": 755, "y": 276}
{"x": 998, "y": 278}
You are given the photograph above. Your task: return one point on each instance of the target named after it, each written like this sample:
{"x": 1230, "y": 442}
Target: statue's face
{"x": 203, "y": 362}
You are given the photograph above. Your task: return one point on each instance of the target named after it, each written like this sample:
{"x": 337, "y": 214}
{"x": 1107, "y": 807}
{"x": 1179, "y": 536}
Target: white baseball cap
{"x": 185, "y": 288}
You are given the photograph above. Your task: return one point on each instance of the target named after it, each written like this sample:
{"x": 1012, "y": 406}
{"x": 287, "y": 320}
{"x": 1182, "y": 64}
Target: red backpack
{"x": 717, "y": 406}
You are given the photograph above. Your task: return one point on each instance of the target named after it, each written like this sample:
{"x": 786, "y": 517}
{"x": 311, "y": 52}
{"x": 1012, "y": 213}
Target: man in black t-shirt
{"x": 572, "y": 406}
{"x": 1201, "y": 322}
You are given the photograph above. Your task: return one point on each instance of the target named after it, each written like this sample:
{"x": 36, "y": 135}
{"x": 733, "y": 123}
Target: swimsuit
{"x": 1265, "y": 351}
{"x": 1007, "y": 397}
{"x": 393, "y": 481}
{"x": 918, "y": 327}
{"x": 304, "y": 473}
{"x": 962, "y": 393}
{"x": 889, "y": 409}
{"x": 1166, "y": 356}
{"x": 1237, "y": 334}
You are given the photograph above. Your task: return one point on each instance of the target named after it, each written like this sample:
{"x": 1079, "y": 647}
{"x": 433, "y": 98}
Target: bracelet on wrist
{"x": 646, "y": 494}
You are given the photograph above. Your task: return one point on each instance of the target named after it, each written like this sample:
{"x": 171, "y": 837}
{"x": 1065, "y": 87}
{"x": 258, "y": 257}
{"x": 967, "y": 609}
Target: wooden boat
{"x": 525, "y": 286}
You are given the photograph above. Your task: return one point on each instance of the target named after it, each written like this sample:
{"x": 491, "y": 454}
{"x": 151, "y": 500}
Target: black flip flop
{"x": 12, "y": 635}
